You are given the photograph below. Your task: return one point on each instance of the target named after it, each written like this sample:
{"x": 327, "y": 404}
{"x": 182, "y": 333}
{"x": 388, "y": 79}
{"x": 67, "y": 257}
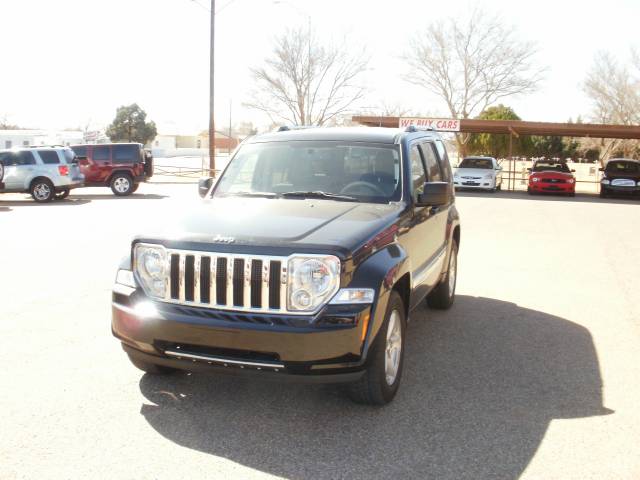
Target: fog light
{"x": 145, "y": 309}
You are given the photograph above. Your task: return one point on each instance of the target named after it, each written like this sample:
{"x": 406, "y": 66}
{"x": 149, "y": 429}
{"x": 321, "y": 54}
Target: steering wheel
{"x": 360, "y": 183}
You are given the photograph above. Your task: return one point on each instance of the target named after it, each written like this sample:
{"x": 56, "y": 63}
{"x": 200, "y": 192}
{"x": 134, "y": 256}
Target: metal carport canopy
{"x": 518, "y": 127}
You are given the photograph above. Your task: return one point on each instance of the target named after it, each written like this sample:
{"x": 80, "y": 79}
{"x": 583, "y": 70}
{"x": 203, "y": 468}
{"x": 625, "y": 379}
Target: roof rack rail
{"x": 413, "y": 129}
{"x": 287, "y": 128}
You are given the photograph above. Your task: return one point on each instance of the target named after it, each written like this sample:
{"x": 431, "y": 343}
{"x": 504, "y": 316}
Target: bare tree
{"x": 471, "y": 63}
{"x": 305, "y": 82}
{"x": 614, "y": 90}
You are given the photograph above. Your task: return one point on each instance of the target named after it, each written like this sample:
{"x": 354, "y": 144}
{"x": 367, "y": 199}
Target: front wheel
{"x": 122, "y": 184}
{"x": 381, "y": 380}
{"x": 443, "y": 295}
{"x": 42, "y": 190}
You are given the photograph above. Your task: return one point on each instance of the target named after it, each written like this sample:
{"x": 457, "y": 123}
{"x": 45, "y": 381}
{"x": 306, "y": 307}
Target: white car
{"x": 482, "y": 173}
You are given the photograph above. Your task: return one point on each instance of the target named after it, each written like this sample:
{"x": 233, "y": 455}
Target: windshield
{"x": 486, "y": 163}
{"x": 624, "y": 168}
{"x": 551, "y": 167}
{"x": 365, "y": 172}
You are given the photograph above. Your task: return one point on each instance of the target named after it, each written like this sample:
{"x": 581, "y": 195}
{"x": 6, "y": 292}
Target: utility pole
{"x": 212, "y": 121}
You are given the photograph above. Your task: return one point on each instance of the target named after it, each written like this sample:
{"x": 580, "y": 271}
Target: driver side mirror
{"x": 204, "y": 185}
{"x": 435, "y": 194}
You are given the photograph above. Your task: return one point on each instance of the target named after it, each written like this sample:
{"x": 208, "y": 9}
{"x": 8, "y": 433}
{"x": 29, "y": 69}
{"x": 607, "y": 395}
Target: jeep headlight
{"x": 605, "y": 181}
{"x": 311, "y": 281}
{"x": 151, "y": 268}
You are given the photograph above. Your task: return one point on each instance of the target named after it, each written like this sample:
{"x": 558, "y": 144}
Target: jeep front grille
{"x": 227, "y": 282}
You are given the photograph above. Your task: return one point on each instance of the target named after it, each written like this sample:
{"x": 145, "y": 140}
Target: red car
{"x": 121, "y": 166}
{"x": 548, "y": 176}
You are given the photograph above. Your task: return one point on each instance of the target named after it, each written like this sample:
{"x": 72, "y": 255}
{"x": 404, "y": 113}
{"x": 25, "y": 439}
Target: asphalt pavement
{"x": 534, "y": 372}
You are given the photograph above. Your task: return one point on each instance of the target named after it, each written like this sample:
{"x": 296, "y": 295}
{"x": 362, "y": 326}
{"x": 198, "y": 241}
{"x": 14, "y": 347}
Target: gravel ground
{"x": 532, "y": 374}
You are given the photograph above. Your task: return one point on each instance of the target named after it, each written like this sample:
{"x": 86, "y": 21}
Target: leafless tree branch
{"x": 305, "y": 82}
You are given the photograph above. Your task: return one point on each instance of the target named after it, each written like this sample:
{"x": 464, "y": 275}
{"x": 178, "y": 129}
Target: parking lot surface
{"x": 532, "y": 374}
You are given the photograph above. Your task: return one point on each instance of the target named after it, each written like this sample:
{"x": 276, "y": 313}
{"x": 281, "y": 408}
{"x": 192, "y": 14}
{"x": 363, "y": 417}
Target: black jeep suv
{"x": 303, "y": 262}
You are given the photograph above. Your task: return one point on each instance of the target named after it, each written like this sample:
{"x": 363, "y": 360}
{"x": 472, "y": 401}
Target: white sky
{"x": 65, "y": 63}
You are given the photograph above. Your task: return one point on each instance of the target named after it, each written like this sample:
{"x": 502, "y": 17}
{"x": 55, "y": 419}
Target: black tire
{"x": 135, "y": 187}
{"x": 444, "y": 294}
{"x": 122, "y": 184}
{"x": 62, "y": 194}
{"x": 42, "y": 190}
{"x": 150, "y": 368}
{"x": 373, "y": 387}
{"x": 603, "y": 193}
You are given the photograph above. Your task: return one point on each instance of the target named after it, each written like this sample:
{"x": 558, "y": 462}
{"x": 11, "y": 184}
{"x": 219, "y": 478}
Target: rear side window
{"x": 49, "y": 157}
{"x": 431, "y": 162}
{"x": 80, "y": 151}
{"x": 17, "y": 158}
{"x": 101, "y": 153}
{"x": 126, "y": 154}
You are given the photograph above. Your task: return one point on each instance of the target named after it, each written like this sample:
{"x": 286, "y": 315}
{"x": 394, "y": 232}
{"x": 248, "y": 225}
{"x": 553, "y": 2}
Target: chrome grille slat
{"x": 212, "y": 280}
{"x": 283, "y": 286}
{"x": 265, "y": 283}
{"x": 196, "y": 278}
{"x": 230, "y": 265}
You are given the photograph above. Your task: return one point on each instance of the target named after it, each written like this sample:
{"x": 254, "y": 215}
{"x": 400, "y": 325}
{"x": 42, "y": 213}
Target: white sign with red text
{"x": 439, "y": 124}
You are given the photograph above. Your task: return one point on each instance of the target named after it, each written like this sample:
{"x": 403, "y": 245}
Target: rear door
{"x": 49, "y": 165}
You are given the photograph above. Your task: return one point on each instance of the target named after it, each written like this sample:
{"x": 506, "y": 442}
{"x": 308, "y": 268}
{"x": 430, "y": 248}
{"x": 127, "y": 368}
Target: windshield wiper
{"x": 320, "y": 194}
{"x": 251, "y": 194}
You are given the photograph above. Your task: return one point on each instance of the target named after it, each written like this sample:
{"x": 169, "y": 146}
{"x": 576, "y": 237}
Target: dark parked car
{"x": 621, "y": 176}
{"x": 121, "y": 166}
{"x": 303, "y": 262}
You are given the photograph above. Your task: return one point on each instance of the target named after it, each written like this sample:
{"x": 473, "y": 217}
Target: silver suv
{"x": 44, "y": 172}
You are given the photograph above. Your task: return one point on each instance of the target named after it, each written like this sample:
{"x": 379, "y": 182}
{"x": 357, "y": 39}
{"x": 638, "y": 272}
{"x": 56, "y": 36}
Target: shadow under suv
{"x": 303, "y": 262}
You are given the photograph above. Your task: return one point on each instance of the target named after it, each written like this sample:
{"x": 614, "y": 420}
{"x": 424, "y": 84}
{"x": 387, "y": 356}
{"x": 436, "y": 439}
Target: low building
{"x": 30, "y": 138}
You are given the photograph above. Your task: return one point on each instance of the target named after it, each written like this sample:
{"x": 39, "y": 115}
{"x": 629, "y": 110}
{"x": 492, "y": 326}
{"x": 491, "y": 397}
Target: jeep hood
{"x": 275, "y": 222}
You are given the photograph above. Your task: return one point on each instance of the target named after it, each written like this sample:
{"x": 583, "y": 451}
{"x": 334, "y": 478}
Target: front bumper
{"x": 543, "y": 187}
{"x": 621, "y": 189}
{"x": 482, "y": 184}
{"x": 325, "y": 348}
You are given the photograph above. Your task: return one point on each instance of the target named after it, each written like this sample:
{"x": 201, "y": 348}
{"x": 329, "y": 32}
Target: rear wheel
{"x": 149, "y": 367}
{"x": 62, "y": 194}
{"x": 443, "y": 295}
{"x": 122, "y": 184}
{"x": 381, "y": 380}
{"x": 42, "y": 190}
